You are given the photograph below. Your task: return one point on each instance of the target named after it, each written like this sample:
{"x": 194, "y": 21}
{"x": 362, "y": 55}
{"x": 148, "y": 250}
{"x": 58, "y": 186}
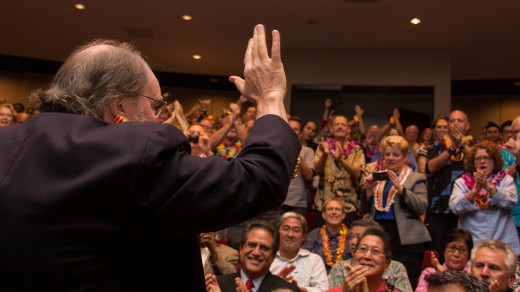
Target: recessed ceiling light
{"x": 186, "y": 17}
{"x": 80, "y": 6}
{"x": 415, "y": 21}
{"x": 197, "y": 57}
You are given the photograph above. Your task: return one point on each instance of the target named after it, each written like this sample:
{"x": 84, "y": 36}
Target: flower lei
{"x": 391, "y": 287}
{"x": 482, "y": 197}
{"x": 346, "y": 152}
{"x": 378, "y": 201}
{"x": 341, "y": 244}
{"x": 370, "y": 151}
{"x": 228, "y": 152}
{"x": 446, "y": 144}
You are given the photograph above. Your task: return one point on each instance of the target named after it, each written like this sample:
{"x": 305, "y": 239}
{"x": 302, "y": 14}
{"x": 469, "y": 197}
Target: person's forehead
{"x": 260, "y": 234}
{"x": 441, "y": 123}
{"x": 358, "y": 229}
{"x": 491, "y": 256}
{"x": 492, "y": 128}
{"x": 458, "y": 115}
{"x": 292, "y": 222}
{"x": 333, "y": 204}
{"x": 197, "y": 128}
{"x": 340, "y": 119}
{"x": 371, "y": 240}
{"x": 251, "y": 109}
{"x": 293, "y": 123}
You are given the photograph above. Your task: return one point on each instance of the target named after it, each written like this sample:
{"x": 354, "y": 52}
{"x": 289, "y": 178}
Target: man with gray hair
{"x": 295, "y": 264}
{"x": 119, "y": 207}
{"x": 494, "y": 263}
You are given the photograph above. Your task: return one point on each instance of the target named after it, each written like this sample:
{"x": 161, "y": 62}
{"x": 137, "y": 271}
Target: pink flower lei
{"x": 346, "y": 152}
{"x": 482, "y": 197}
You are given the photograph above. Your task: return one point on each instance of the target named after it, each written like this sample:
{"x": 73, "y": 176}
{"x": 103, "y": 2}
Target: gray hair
{"x": 511, "y": 259}
{"x": 92, "y": 77}
{"x": 459, "y": 278}
{"x": 296, "y": 216}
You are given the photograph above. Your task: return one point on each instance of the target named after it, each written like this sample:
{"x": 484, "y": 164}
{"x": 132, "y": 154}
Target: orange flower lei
{"x": 341, "y": 244}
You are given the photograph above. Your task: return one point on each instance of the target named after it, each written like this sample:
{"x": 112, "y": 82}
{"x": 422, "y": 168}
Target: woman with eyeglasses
{"x": 371, "y": 259}
{"x": 484, "y": 197}
{"x": 457, "y": 246}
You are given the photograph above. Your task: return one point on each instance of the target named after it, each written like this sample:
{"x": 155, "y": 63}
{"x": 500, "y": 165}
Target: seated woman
{"x": 371, "y": 259}
{"x": 457, "y": 246}
{"x": 395, "y": 274}
{"x": 330, "y": 240}
{"x": 484, "y": 197}
{"x": 396, "y": 202}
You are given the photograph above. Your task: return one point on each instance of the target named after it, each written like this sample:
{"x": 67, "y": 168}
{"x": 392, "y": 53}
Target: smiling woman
{"x": 371, "y": 259}
{"x": 484, "y": 197}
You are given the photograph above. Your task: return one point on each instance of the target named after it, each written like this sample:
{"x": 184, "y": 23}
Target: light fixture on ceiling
{"x": 186, "y": 17}
{"x": 197, "y": 57}
{"x": 415, "y": 21}
{"x": 80, "y": 6}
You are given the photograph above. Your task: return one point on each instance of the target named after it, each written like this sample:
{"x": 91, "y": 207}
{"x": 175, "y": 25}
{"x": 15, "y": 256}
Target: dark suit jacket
{"x": 85, "y": 205}
{"x": 269, "y": 283}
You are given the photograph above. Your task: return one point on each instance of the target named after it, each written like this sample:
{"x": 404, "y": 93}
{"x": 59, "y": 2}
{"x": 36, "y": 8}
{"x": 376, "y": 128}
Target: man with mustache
{"x": 340, "y": 161}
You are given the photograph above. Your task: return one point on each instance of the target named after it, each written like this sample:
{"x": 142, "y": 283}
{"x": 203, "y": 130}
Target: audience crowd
{"x": 370, "y": 208}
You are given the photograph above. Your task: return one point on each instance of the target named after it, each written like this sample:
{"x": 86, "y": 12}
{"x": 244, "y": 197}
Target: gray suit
{"x": 407, "y": 209}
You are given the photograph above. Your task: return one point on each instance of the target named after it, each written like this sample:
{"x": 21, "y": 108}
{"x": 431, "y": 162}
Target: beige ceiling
{"x": 483, "y": 35}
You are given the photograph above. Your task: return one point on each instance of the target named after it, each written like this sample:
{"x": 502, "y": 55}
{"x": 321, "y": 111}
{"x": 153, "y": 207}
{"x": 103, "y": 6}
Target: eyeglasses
{"x": 288, "y": 229}
{"x": 263, "y": 248}
{"x": 330, "y": 209}
{"x": 158, "y": 109}
{"x": 374, "y": 251}
{"x": 483, "y": 158}
{"x": 453, "y": 249}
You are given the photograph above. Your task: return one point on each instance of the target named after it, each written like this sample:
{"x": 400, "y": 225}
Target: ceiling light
{"x": 79, "y": 6}
{"x": 415, "y": 21}
{"x": 197, "y": 57}
{"x": 186, "y": 17}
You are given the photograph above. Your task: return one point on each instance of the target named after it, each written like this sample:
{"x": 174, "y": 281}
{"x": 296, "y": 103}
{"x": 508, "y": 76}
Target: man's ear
{"x": 117, "y": 107}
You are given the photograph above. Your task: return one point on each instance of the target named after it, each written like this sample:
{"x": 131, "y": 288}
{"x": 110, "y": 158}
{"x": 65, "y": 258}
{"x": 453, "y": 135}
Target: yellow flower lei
{"x": 341, "y": 244}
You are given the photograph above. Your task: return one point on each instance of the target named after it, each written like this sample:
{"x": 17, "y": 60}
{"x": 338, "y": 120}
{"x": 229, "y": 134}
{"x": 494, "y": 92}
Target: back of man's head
{"x": 450, "y": 280}
{"x": 92, "y": 77}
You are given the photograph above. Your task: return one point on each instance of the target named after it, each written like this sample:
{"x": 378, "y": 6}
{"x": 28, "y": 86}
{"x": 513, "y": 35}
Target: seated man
{"x": 494, "y": 263}
{"x": 396, "y": 273}
{"x": 451, "y": 280}
{"x": 258, "y": 245}
{"x": 217, "y": 259}
{"x": 304, "y": 268}
{"x": 330, "y": 241}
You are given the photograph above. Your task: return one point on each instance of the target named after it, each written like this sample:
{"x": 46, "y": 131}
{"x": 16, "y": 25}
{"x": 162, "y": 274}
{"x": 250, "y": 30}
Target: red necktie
{"x": 249, "y": 285}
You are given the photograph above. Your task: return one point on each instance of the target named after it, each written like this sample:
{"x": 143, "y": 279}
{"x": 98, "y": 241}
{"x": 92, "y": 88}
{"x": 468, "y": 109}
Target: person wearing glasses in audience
{"x": 330, "y": 241}
{"x": 484, "y": 197}
{"x": 395, "y": 274}
{"x": 259, "y": 243}
{"x": 371, "y": 259}
{"x": 302, "y": 267}
{"x": 457, "y": 246}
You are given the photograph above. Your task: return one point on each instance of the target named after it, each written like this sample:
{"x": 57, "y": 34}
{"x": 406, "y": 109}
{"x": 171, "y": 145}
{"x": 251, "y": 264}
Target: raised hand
{"x": 435, "y": 262}
{"x": 284, "y": 273}
{"x": 264, "y": 78}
